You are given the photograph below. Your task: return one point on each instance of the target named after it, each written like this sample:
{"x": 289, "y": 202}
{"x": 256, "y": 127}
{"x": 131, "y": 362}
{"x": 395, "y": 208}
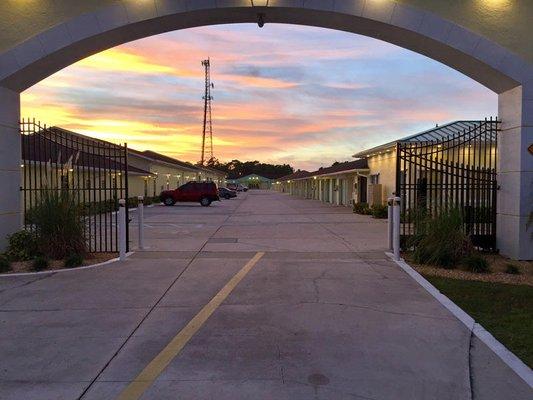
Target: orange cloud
{"x": 300, "y": 100}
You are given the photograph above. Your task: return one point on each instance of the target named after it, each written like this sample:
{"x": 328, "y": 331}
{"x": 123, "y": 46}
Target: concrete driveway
{"x": 262, "y": 297}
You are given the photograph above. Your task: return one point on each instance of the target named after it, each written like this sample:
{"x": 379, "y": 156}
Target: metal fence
{"x": 458, "y": 171}
{"x": 93, "y": 171}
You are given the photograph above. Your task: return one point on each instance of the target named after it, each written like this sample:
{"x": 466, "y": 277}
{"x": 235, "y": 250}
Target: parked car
{"x": 226, "y": 193}
{"x": 202, "y": 192}
{"x": 237, "y": 187}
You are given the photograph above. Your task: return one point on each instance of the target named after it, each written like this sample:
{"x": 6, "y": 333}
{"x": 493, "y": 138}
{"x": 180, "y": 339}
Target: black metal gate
{"x": 94, "y": 171}
{"x": 452, "y": 170}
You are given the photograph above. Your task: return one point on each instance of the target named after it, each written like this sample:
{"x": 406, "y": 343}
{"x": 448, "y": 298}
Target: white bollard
{"x": 390, "y": 202}
{"x": 396, "y": 227}
{"x": 122, "y": 229}
{"x": 140, "y": 212}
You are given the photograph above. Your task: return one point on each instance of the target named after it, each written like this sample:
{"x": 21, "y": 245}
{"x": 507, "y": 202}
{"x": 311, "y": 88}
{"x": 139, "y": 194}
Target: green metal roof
{"x": 250, "y": 178}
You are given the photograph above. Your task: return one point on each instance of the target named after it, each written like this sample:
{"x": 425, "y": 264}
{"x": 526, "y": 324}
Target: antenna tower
{"x": 208, "y": 125}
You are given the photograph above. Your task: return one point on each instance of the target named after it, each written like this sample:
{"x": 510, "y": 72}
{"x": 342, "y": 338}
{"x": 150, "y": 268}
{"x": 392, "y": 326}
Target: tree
{"x": 236, "y": 169}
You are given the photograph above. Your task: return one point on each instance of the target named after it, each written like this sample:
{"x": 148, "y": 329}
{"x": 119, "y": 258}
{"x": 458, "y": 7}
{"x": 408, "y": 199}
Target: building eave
{"x": 350, "y": 171}
{"x": 392, "y": 145}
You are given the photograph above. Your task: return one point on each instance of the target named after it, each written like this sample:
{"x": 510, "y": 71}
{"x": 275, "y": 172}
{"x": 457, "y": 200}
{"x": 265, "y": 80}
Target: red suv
{"x": 202, "y": 192}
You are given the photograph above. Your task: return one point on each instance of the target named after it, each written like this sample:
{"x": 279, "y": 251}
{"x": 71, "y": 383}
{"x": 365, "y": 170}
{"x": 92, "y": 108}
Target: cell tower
{"x": 208, "y": 125}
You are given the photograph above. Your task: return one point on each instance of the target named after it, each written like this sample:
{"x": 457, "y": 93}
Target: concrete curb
{"x": 58, "y": 271}
{"x": 512, "y": 361}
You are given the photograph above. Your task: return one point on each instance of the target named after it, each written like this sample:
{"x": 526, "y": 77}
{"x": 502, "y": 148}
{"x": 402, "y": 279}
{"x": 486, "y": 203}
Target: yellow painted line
{"x": 149, "y": 374}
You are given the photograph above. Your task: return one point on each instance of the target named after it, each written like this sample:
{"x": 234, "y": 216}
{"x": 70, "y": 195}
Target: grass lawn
{"x": 506, "y": 311}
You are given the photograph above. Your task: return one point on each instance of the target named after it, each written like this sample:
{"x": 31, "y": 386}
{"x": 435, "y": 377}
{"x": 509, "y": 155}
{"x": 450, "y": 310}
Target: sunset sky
{"x": 283, "y": 94}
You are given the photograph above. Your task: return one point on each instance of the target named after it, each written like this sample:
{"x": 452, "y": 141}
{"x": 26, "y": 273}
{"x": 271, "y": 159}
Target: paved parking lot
{"x": 262, "y": 297}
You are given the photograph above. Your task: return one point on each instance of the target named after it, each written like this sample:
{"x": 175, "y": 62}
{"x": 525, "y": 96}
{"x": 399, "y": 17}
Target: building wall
{"x": 253, "y": 181}
{"x": 335, "y": 189}
{"x": 167, "y": 176}
{"x": 52, "y": 177}
{"x": 136, "y": 186}
{"x": 385, "y": 166}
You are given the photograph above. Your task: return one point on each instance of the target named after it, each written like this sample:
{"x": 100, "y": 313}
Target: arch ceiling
{"x": 81, "y": 31}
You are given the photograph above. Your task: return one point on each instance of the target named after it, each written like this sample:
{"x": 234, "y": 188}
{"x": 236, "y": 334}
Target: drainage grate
{"x": 222, "y": 240}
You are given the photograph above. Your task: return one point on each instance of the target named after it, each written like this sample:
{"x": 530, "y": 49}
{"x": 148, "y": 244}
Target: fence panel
{"x": 94, "y": 171}
{"x": 453, "y": 171}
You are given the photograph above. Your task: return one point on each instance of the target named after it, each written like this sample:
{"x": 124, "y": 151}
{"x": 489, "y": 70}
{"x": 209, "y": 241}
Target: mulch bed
{"x": 498, "y": 265}
{"x": 91, "y": 259}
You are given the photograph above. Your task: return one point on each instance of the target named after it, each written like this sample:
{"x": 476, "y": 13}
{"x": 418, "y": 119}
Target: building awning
{"x": 437, "y": 133}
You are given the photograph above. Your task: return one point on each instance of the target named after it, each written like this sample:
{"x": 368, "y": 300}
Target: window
{"x": 374, "y": 179}
{"x": 188, "y": 187}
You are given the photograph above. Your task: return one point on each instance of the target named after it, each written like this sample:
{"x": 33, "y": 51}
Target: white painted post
{"x": 390, "y": 202}
{"x": 396, "y": 227}
{"x": 122, "y": 229}
{"x": 140, "y": 213}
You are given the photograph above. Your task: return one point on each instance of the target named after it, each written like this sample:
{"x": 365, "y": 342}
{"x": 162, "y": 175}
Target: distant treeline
{"x": 236, "y": 169}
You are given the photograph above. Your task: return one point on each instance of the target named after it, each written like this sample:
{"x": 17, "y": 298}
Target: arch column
{"x": 10, "y": 156}
{"x": 515, "y": 173}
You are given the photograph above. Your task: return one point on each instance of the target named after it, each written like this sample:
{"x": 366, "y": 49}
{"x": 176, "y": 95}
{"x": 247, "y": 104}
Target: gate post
{"x": 396, "y": 227}
{"x": 140, "y": 212}
{"x": 10, "y": 161}
{"x": 390, "y": 203}
{"x": 515, "y": 173}
{"x": 122, "y": 229}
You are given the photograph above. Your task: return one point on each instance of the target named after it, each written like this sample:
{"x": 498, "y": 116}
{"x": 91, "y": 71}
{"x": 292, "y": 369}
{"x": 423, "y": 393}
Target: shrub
{"x": 5, "y": 264}
{"x": 59, "y": 224}
{"x": 151, "y": 200}
{"x": 512, "y": 269}
{"x": 440, "y": 240}
{"x": 98, "y": 207}
{"x": 361, "y": 208}
{"x": 73, "y": 261}
{"x": 133, "y": 202}
{"x": 380, "y": 211}
{"x": 475, "y": 263}
{"x": 40, "y": 263}
{"x": 22, "y": 246}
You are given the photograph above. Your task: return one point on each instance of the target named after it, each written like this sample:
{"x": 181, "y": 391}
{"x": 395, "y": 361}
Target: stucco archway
{"x": 426, "y": 33}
